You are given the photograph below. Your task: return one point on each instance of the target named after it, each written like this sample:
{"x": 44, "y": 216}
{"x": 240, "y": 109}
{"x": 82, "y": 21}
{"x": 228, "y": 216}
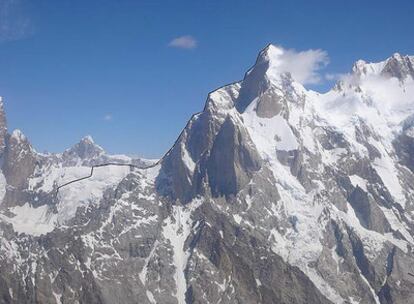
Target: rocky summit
{"x": 274, "y": 193}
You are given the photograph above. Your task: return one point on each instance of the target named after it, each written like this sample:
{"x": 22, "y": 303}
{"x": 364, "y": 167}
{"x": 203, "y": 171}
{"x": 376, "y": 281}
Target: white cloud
{"x": 304, "y": 66}
{"x": 183, "y": 42}
{"x": 334, "y": 76}
{"x": 107, "y": 117}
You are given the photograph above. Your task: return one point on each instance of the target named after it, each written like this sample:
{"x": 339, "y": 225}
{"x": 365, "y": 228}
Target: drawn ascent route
{"x": 103, "y": 165}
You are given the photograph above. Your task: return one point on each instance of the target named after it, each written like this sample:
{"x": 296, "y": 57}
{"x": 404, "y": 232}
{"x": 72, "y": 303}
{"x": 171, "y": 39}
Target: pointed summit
{"x": 271, "y": 54}
{"x": 87, "y": 140}
{"x": 265, "y": 73}
{"x": 85, "y": 149}
{"x": 270, "y": 63}
{"x": 269, "y": 81}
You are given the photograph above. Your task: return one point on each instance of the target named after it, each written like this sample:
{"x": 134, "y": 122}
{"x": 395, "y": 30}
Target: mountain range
{"x": 273, "y": 193}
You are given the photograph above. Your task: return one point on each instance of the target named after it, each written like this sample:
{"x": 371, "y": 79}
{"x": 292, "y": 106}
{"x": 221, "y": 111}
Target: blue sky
{"x": 112, "y": 69}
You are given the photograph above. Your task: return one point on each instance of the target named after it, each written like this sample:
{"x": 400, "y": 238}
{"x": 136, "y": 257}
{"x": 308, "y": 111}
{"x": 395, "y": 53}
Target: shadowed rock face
{"x": 255, "y": 82}
{"x": 399, "y": 67}
{"x": 233, "y": 160}
{"x": 369, "y": 214}
{"x": 19, "y": 160}
{"x": 265, "y": 197}
{"x": 404, "y": 146}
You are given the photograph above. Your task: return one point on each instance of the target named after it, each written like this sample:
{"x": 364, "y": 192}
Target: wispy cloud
{"x": 183, "y": 42}
{"x": 305, "y": 65}
{"x": 108, "y": 117}
{"x": 15, "y": 22}
{"x": 334, "y": 76}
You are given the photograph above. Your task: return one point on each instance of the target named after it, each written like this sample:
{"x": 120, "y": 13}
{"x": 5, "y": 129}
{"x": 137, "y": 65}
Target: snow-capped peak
{"x": 88, "y": 139}
{"x": 270, "y": 54}
{"x": 397, "y": 66}
{"x": 362, "y": 68}
{"x": 85, "y": 149}
{"x": 268, "y": 73}
{"x": 87, "y": 142}
{"x": 271, "y": 57}
{"x": 18, "y": 136}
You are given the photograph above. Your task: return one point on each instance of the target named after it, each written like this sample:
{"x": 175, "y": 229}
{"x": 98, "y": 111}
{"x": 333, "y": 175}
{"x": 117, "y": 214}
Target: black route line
{"x": 104, "y": 165}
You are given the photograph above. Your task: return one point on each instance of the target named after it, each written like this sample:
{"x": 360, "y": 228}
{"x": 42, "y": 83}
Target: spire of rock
{"x": 19, "y": 161}
{"x": 3, "y": 127}
{"x": 267, "y": 73}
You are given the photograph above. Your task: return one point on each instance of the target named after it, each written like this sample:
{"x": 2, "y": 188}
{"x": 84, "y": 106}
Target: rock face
{"x": 272, "y": 194}
{"x": 3, "y": 127}
{"x": 233, "y": 160}
{"x": 19, "y": 160}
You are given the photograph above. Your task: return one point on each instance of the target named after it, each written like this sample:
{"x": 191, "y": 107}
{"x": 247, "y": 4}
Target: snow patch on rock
{"x": 30, "y": 220}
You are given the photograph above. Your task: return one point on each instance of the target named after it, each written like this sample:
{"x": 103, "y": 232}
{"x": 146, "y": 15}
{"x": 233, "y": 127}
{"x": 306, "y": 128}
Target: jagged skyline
{"x": 123, "y": 72}
{"x": 271, "y": 185}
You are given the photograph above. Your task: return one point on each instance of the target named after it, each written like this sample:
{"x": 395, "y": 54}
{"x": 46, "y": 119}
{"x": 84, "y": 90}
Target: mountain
{"x": 272, "y": 194}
